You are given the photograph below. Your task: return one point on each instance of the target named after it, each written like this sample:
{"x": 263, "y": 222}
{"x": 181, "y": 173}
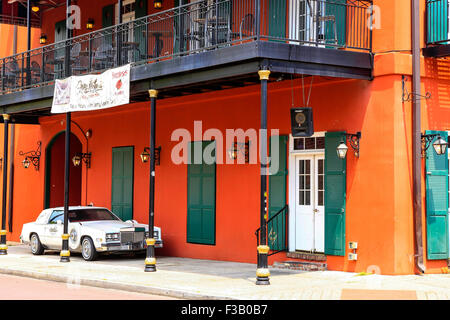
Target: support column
{"x": 65, "y": 253}
{"x": 68, "y": 46}
{"x": 262, "y": 273}
{"x": 28, "y": 73}
{"x": 150, "y": 261}
{"x": 3, "y": 246}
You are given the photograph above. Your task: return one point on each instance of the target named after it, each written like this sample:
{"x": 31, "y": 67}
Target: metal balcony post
{"x": 3, "y": 246}
{"x": 150, "y": 261}
{"x": 262, "y": 272}
{"x": 65, "y": 253}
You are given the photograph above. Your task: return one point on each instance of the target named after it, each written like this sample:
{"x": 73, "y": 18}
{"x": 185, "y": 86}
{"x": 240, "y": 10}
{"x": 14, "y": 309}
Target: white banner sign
{"x": 92, "y": 92}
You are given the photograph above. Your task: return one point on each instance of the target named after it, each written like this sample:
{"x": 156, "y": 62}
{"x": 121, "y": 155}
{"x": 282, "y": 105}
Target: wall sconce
{"x": 157, "y": 4}
{"x": 439, "y": 145}
{"x": 32, "y": 157}
{"x": 85, "y": 157}
{"x": 43, "y": 39}
{"x": 90, "y": 24}
{"x": 240, "y": 147}
{"x": 145, "y": 155}
{"x": 353, "y": 140}
{"x": 34, "y": 7}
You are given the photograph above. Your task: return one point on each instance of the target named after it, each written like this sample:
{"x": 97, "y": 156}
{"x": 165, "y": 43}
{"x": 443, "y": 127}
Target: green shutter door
{"x": 122, "y": 182}
{"x": 139, "y": 35}
{"x": 437, "y": 21}
{"x": 338, "y": 9}
{"x": 277, "y": 196}
{"x": 277, "y": 18}
{"x": 60, "y": 35}
{"x": 107, "y": 21}
{"x": 335, "y": 194}
{"x": 437, "y": 202}
{"x": 176, "y": 25}
{"x": 201, "y": 193}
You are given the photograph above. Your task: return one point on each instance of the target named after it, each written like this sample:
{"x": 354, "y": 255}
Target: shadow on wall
{"x": 437, "y": 82}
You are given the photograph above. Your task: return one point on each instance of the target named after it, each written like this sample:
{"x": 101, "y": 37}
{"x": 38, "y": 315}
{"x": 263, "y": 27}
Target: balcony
{"x": 318, "y": 37}
{"x": 437, "y": 29}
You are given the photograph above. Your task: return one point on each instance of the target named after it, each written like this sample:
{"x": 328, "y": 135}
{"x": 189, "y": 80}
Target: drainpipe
{"x": 417, "y": 135}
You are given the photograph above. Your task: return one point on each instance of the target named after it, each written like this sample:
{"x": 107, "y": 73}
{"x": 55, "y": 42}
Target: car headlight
{"x": 112, "y": 237}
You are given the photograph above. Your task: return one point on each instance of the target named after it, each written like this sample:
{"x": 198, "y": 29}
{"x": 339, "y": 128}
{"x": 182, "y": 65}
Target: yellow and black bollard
{"x": 3, "y": 246}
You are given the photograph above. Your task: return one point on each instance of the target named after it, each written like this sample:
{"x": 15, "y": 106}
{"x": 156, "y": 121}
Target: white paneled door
{"x": 309, "y": 203}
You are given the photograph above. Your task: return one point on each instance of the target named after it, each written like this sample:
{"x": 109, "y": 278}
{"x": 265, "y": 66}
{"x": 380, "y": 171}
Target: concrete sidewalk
{"x": 204, "y": 279}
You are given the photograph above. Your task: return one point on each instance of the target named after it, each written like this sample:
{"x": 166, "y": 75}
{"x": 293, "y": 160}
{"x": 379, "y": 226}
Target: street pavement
{"x": 206, "y": 279}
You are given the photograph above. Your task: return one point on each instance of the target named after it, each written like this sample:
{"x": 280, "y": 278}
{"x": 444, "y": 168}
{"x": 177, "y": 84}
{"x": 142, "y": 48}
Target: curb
{"x": 114, "y": 285}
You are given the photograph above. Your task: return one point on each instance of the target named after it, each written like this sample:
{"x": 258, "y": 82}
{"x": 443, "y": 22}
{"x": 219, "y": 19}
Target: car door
{"x": 54, "y": 230}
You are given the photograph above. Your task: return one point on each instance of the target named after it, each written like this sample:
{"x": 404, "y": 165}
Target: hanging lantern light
{"x": 26, "y": 163}
{"x": 43, "y": 39}
{"x": 145, "y": 155}
{"x": 90, "y": 24}
{"x": 76, "y": 160}
{"x": 157, "y": 4}
{"x": 342, "y": 150}
{"x": 440, "y": 145}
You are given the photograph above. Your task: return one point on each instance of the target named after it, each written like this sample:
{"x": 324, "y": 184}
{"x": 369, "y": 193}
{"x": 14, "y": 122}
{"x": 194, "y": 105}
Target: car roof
{"x": 76, "y": 208}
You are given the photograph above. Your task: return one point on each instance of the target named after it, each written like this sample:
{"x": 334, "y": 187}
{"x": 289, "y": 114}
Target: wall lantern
{"x": 35, "y": 8}
{"x": 145, "y": 155}
{"x": 353, "y": 140}
{"x": 439, "y": 145}
{"x": 82, "y": 157}
{"x": 240, "y": 147}
{"x": 32, "y": 157}
{"x": 43, "y": 39}
{"x": 90, "y": 24}
{"x": 157, "y": 4}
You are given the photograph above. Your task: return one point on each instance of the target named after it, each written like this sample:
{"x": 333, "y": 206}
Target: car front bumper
{"x": 117, "y": 246}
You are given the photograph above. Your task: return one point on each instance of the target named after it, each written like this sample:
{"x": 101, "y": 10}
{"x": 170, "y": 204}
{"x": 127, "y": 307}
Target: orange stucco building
{"x": 344, "y": 94}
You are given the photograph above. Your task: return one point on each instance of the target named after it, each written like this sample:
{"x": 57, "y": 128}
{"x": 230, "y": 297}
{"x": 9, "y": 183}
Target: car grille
{"x": 131, "y": 236}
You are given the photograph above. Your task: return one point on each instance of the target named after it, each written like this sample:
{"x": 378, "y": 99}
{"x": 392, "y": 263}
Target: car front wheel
{"x": 36, "y": 246}
{"x": 88, "y": 249}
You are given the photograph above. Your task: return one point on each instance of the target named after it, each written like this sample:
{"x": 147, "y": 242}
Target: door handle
{"x": 53, "y": 230}
{"x": 316, "y": 210}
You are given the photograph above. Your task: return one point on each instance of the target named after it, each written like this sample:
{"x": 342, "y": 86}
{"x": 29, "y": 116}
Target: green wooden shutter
{"x": 139, "y": 35}
{"x": 335, "y": 194}
{"x": 338, "y": 9}
{"x": 437, "y": 202}
{"x": 122, "y": 182}
{"x": 201, "y": 193}
{"x": 277, "y": 18}
{"x": 60, "y": 35}
{"x": 178, "y": 47}
{"x": 437, "y": 21}
{"x": 107, "y": 21}
{"x": 277, "y": 196}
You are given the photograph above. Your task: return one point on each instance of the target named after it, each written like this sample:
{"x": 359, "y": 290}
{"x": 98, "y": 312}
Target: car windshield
{"x": 81, "y": 215}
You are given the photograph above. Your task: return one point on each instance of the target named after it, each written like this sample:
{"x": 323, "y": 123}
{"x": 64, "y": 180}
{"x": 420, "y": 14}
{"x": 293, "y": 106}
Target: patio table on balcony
{"x": 127, "y": 47}
{"x": 159, "y": 43}
{"x": 212, "y": 26}
{"x": 59, "y": 63}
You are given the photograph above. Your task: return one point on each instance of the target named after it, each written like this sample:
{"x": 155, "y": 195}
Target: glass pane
{"x": 320, "y": 143}
{"x": 320, "y": 182}
{"x": 302, "y": 166}
{"x": 299, "y": 144}
{"x": 302, "y": 182}
{"x": 320, "y": 166}
{"x": 320, "y": 201}
{"x": 310, "y": 143}
{"x": 307, "y": 198}
{"x": 308, "y": 167}
{"x": 301, "y": 198}
{"x": 308, "y": 182}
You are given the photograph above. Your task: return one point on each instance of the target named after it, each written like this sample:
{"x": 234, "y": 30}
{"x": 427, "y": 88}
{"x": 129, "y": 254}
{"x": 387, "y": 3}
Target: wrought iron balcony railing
{"x": 189, "y": 29}
{"x": 437, "y": 22}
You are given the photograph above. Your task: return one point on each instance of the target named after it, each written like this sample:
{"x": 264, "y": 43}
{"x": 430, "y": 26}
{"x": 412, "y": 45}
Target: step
{"x": 307, "y": 256}
{"x": 301, "y": 265}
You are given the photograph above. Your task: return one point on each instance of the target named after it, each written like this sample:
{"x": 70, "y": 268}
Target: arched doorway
{"x": 54, "y": 174}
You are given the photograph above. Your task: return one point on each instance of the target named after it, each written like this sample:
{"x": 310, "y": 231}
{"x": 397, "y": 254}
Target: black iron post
{"x": 119, "y": 35}
{"x": 68, "y": 41}
{"x": 28, "y": 78}
{"x": 65, "y": 253}
{"x": 150, "y": 261}
{"x": 262, "y": 272}
{"x": 3, "y": 246}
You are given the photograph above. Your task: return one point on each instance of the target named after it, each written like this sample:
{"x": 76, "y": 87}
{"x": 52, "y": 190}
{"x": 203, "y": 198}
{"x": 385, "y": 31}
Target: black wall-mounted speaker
{"x": 302, "y": 122}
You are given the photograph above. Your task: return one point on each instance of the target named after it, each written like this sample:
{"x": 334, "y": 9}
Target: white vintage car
{"x": 92, "y": 230}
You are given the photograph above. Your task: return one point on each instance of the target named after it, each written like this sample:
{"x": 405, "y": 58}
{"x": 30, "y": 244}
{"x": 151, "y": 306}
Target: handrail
{"x": 279, "y": 247}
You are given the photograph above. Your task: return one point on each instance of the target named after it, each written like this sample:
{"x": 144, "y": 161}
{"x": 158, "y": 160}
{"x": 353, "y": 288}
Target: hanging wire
{"x": 310, "y": 90}
{"x": 292, "y": 90}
